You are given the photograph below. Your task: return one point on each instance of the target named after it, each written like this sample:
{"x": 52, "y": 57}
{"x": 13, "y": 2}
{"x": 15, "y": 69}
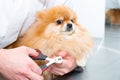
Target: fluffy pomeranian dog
{"x": 113, "y": 16}
{"x": 57, "y": 29}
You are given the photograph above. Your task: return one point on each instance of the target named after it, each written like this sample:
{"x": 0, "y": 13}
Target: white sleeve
{"x": 6, "y": 28}
{"x": 51, "y": 3}
{"x": 15, "y": 17}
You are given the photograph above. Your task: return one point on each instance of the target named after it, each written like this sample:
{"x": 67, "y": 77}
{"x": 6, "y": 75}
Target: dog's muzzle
{"x": 69, "y": 27}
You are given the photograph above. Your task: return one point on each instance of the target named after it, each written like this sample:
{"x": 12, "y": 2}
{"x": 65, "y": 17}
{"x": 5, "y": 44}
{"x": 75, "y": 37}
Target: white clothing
{"x": 17, "y": 15}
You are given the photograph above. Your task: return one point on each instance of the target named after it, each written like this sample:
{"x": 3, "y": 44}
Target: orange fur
{"x": 48, "y": 36}
{"x": 113, "y": 16}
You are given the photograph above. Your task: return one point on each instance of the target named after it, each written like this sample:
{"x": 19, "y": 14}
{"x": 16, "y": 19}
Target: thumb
{"x": 62, "y": 53}
{"x": 32, "y": 52}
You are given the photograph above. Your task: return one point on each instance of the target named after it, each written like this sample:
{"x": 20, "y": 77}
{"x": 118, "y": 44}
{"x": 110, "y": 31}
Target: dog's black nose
{"x": 69, "y": 27}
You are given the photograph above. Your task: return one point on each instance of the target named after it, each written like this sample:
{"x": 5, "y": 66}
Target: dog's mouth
{"x": 68, "y": 29}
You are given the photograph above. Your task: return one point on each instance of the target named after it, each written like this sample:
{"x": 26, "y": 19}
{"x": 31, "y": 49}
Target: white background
{"x": 91, "y": 15}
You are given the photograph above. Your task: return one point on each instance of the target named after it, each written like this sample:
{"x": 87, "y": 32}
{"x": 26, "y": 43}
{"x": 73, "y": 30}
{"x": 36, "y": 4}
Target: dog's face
{"x": 59, "y": 20}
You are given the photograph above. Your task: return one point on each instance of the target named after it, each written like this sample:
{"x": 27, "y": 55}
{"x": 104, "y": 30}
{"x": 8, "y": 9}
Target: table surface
{"x": 104, "y": 64}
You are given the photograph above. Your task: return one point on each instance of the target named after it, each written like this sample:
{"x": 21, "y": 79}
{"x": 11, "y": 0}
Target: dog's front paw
{"x": 81, "y": 62}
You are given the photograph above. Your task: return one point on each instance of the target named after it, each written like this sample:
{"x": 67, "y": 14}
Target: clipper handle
{"x": 41, "y": 56}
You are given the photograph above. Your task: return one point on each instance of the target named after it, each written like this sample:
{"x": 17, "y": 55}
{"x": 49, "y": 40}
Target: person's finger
{"x": 19, "y": 77}
{"x": 62, "y": 65}
{"x": 34, "y": 76}
{"x": 35, "y": 68}
{"x": 59, "y": 71}
{"x": 56, "y": 67}
{"x": 26, "y": 79}
{"x": 56, "y": 72}
{"x": 31, "y": 52}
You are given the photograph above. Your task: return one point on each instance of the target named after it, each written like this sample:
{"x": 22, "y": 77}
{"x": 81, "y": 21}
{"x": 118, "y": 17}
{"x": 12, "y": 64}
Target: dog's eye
{"x": 72, "y": 20}
{"x": 59, "y": 21}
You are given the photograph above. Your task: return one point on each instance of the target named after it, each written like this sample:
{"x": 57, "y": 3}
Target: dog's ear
{"x": 41, "y": 15}
{"x": 44, "y": 15}
{"x": 82, "y": 28}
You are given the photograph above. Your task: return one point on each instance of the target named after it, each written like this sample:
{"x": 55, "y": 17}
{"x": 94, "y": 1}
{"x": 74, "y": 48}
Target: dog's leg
{"x": 81, "y": 64}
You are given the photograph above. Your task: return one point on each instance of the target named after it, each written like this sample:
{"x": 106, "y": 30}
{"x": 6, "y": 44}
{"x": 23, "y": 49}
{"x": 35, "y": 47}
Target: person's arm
{"x": 15, "y": 18}
{"x": 15, "y": 64}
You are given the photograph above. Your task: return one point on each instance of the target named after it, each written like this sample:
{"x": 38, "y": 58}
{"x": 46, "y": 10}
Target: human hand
{"x": 67, "y": 65}
{"x": 15, "y": 64}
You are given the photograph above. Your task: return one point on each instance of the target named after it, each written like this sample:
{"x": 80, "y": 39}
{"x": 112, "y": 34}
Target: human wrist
{"x": 2, "y": 51}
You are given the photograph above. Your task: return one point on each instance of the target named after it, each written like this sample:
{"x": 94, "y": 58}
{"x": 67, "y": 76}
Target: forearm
{"x": 2, "y": 51}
